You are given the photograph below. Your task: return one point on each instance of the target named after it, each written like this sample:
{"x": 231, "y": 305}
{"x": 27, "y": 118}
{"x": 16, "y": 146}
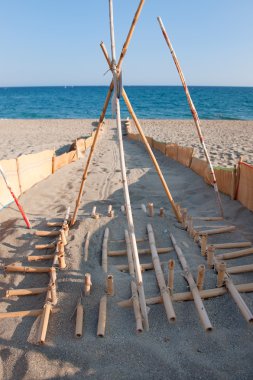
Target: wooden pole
{"x": 161, "y": 212}
{"x": 123, "y": 173}
{"x": 25, "y": 292}
{"x": 171, "y": 267}
{"x": 195, "y": 292}
{"x": 40, "y": 257}
{"x": 201, "y": 276}
{"x": 21, "y": 314}
{"x": 144, "y": 251}
{"x": 102, "y": 317}
{"x": 210, "y": 256}
{"x": 47, "y": 233}
{"x": 215, "y": 231}
{"x": 203, "y": 244}
{"x": 221, "y": 274}
{"x": 20, "y": 268}
{"x": 187, "y": 296}
{"x": 160, "y": 277}
{"x": 45, "y": 246}
{"x": 145, "y": 141}
{"x": 151, "y": 209}
{"x": 105, "y": 249}
{"x": 194, "y": 114}
{"x": 102, "y": 116}
{"x": 44, "y": 322}
{"x": 235, "y": 254}
{"x": 86, "y": 246}
{"x": 240, "y": 269}
{"x": 134, "y": 288}
{"x": 232, "y": 245}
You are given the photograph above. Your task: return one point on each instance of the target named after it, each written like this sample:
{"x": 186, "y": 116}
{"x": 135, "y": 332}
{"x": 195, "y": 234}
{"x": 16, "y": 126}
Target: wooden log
{"x": 87, "y": 284}
{"x": 215, "y": 231}
{"x": 151, "y": 209}
{"x": 209, "y": 218}
{"x": 47, "y": 233}
{"x": 93, "y": 212}
{"x": 171, "y": 267}
{"x": 110, "y": 285}
{"x": 102, "y": 317}
{"x": 63, "y": 237}
{"x": 53, "y": 294}
{"x": 110, "y": 212}
{"x": 196, "y": 237}
{"x": 232, "y": 245}
{"x": 19, "y": 268}
{"x": 25, "y": 292}
{"x": 195, "y": 292}
{"x": 61, "y": 255}
{"x": 45, "y": 246}
{"x": 235, "y": 254}
{"x": 79, "y": 320}
{"x": 240, "y": 269}
{"x": 221, "y": 274}
{"x": 201, "y": 276}
{"x": 144, "y": 251}
{"x": 40, "y": 257}
{"x": 160, "y": 277}
{"x": 105, "y": 249}
{"x": 44, "y": 322}
{"x": 187, "y": 296}
{"x": 86, "y": 246}
{"x": 203, "y": 244}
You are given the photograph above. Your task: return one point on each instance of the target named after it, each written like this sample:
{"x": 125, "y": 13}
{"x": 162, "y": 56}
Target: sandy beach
{"x": 226, "y": 140}
{"x": 182, "y": 350}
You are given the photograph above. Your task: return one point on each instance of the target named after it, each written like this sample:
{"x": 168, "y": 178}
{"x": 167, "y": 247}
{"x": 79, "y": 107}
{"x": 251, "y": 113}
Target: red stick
{"x": 16, "y": 200}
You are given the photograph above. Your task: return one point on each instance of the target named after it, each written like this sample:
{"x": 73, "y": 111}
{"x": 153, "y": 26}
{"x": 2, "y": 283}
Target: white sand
{"x": 182, "y": 350}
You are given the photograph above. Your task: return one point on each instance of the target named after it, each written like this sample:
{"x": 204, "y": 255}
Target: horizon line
{"x": 126, "y": 85}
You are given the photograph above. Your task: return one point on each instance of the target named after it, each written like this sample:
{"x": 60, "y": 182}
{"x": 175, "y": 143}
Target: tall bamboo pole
{"x": 194, "y": 113}
{"x": 193, "y": 287}
{"x": 102, "y": 116}
{"x": 144, "y": 139}
{"x": 124, "y": 177}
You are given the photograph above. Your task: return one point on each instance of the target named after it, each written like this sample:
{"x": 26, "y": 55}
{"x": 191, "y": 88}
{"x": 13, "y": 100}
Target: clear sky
{"x": 56, "y": 42}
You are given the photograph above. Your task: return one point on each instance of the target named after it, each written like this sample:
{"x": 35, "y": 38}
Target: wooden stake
{"x": 110, "y": 211}
{"x": 87, "y": 284}
{"x": 79, "y": 320}
{"x": 161, "y": 213}
{"x": 171, "y": 266}
{"x": 54, "y": 224}
{"x": 104, "y": 250}
{"x": 110, "y": 285}
{"x": 201, "y": 276}
{"x": 63, "y": 237}
{"x": 221, "y": 274}
{"x": 144, "y": 208}
{"x": 215, "y": 231}
{"x": 25, "y": 292}
{"x": 86, "y": 246}
{"x": 195, "y": 292}
{"x": 53, "y": 294}
{"x": 203, "y": 244}
{"x": 151, "y": 209}
{"x": 102, "y": 317}
{"x": 61, "y": 255}
{"x": 210, "y": 256}
{"x": 184, "y": 217}
{"x": 160, "y": 278}
{"x": 93, "y": 213}
{"x": 144, "y": 251}
{"x": 19, "y": 268}
{"x": 21, "y": 314}
{"x": 235, "y": 254}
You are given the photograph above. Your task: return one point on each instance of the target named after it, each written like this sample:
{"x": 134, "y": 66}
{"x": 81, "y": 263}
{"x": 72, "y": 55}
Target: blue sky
{"x": 56, "y": 42}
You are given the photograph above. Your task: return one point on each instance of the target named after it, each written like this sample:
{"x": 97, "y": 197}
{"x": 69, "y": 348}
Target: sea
{"x": 149, "y": 102}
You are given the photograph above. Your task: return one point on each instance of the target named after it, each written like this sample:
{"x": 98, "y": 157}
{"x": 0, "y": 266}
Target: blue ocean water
{"x": 149, "y": 102}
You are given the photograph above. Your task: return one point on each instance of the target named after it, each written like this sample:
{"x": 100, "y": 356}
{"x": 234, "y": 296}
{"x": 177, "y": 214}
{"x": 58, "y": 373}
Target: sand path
{"x": 181, "y": 350}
